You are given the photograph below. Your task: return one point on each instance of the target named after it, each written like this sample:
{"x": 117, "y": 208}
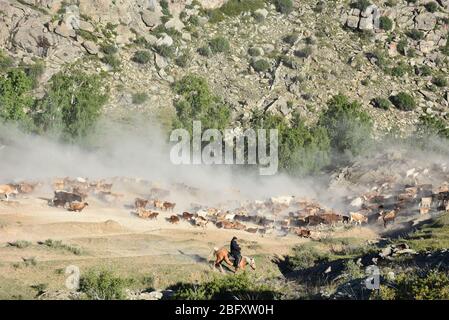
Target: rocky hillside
{"x": 255, "y": 54}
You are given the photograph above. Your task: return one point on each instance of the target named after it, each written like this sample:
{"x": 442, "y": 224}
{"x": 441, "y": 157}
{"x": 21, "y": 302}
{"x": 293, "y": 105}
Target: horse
{"x": 223, "y": 255}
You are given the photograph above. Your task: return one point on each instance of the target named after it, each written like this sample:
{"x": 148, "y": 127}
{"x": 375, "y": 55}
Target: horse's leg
{"x": 229, "y": 263}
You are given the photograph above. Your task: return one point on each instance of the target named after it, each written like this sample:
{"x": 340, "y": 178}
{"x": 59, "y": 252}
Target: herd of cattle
{"x": 284, "y": 214}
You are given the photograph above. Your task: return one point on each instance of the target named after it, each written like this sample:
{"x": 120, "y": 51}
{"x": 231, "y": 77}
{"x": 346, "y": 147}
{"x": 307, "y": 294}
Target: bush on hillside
{"x": 348, "y": 125}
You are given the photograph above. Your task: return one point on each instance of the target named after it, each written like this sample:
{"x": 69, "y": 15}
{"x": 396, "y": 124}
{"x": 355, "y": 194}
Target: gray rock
{"x": 263, "y": 12}
{"x": 366, "y": 23}
{"x": 369, "y": 11}
{"x": 165, "y": 40}
{"x": 160, "y": 61}
{"x": 186, "y": 36}
{"x": 150, "y": 18}
{"x": 268, "y": 47}
{"x": 65, "y": 31}
{"x": 86, "y": 26}
{"x": 352, "y": 22}
{"x": 174, "y": 23}
{"x": 425, "y": 21}
{"x": 91, "y": 47}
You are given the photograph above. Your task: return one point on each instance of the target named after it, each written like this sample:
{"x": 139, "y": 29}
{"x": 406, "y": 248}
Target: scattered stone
{"x": 91, "y": 47}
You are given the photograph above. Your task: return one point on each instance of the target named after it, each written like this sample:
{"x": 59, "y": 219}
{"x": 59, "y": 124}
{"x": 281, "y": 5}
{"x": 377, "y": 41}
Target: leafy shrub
{"x": 14, "y": 95}
{"x": 20, "y": 244}
{"x": 360, "y": 4}
{"x": 424, "y": 71}
{"x": 197, "y": 102}
{"x": 102, "y": 285}
{"x": 418, "y": 285}
{"x": 302, "y": 150}
{"x": 109, "y": 49}
{"x": 139, "y": 98}
{"x": 254, "y": 52}
{"x": 440, "y": 81}
{"x": 112, "y": 61}
{"x": 402, "y": 46}
{"x": 219, "y": 44}
{"x": 233, "y": 8}
{"x": 431, "y": 6}
{"x": 34, "y": 72}
{"x": 291, "y": 38}
{"x": 352, "y": 270}
{"x": 309, "y": 40}
{"x": 429, "y": 126}
{"x": 348, "y": 126}
{"x": 304, "y": 53}
{"x": 258, "y": 17}
{"x": 381, "y": 103}
{"x": 57, "y": 244}
{"x": 165, "y": 51}
{"x": 415, "y": 34}
{"x": 304, "y": 257}
{"x": 72, "y": 104}
{"x": 260, "y": 65}
{"x": 5, "y": 62}
{"x": 445, "y": 49}
{"x": 205, "y": 51}
{"x": 381, "y": 59}
{"x": 183, "y": 60}
{"x": 400, "y": 70}
{"x": 403, "y": 101}
{"x": 287, "y": 61}
{"x": 142, "y": 57}
{"x": 283, "y": 6}
{"x": 87, "y": 35}
{"x": 239, "y": 286}
{"x": 385, "y": 23}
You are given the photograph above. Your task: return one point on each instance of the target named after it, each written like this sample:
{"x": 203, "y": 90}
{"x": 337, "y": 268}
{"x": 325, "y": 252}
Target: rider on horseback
{"x": 235, "y": 251}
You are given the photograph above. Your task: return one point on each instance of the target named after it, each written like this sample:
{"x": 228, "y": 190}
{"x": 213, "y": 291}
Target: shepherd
{"x": 240, "y": 262}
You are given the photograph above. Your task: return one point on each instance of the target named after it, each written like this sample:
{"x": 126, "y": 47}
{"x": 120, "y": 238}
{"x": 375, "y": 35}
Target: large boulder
{"x": 31, "y": 36}
{"x": 150, "y": 18}
{"x": 91, "y": 47}
{"x": 425, "y": 21}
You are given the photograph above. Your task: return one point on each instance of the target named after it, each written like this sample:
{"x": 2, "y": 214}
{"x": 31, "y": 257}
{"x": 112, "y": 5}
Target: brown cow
{"x": 387, "y": 217}
{"x": 187, "y": 215}
{"x": 200, "y": 222}
{"x": 331, "y": 218}
{"x": 173, "y": 219}
{"x": 313, "y": 220}
{"x": 77, "y": 206}
{"x": 25, "y": 187}
{"x": 7, "y": 190}
{"x": 147, "y": 214}
{"x": 58, "y": 202}
{"x": 140, "y": 203}
{"x": 301, "y": 232}
{"x": 63, "y": 197}
{"x": 158, "y": 204}
{"x": 168, "y": 206}
{"x": 358, "y": 218}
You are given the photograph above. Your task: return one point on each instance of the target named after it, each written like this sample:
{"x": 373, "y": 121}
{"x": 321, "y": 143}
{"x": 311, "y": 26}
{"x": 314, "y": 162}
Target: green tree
{"x": 302, "y": 150}
{"x": 72, "y": 104}
{"x": 15, "y": 99}
{"x": 197, "y": 102}
{"x": 348, "y": 126}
